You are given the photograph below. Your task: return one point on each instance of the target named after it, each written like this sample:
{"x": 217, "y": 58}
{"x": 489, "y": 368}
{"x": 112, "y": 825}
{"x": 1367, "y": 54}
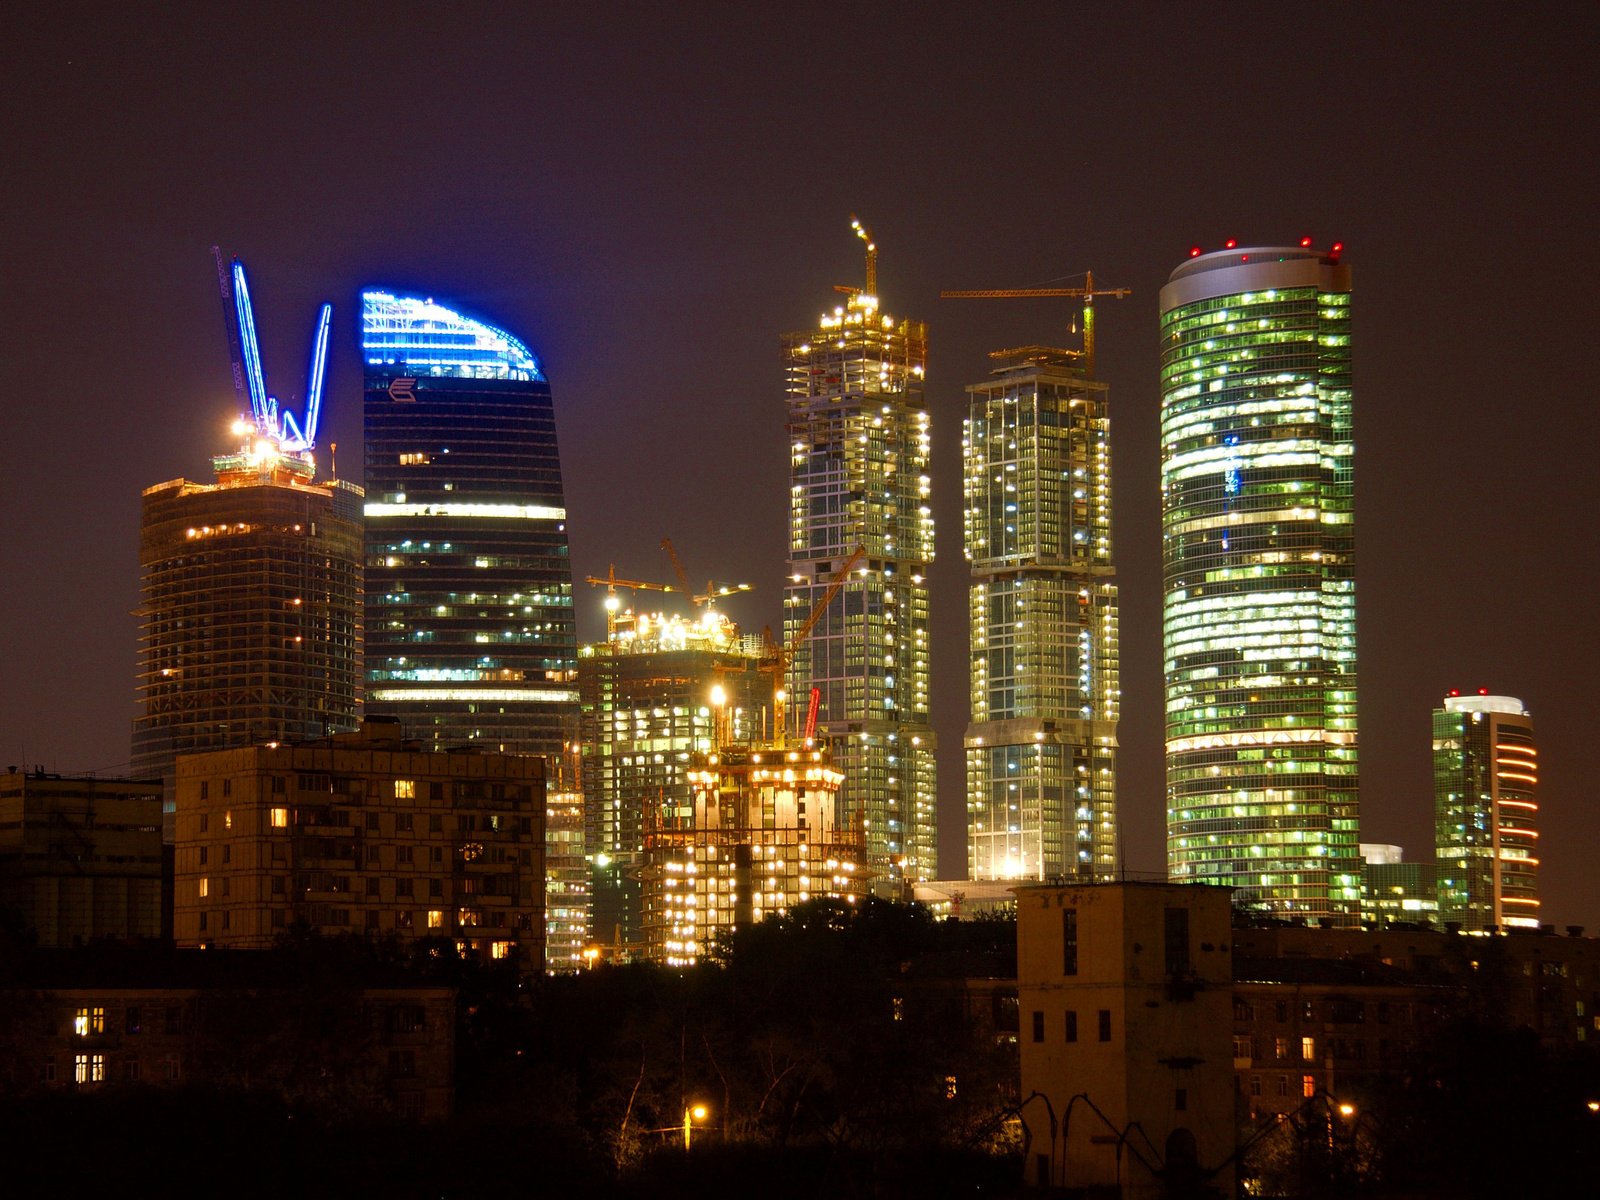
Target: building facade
{"x": 1123, "y": 991}
{"x": 250, "y": 610}
{"x": 859, "y": 477}
{"x": 1394, "y": 891}
{"x": 1041, "y": 747}
{"x": 650, "y": 703}
{"x": 1259, "y": 579}
{"x": 470, "y": 631}
{"x": 759, "y": 835}
{"x": 364, "y": 832}
{"x": 1486, "y": 812}
{"x": 566, "y": 867}
{"x": 80, "y": 858}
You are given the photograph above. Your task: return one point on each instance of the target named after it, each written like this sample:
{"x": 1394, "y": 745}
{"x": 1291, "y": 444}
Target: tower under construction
{"x": 859, "y": 460}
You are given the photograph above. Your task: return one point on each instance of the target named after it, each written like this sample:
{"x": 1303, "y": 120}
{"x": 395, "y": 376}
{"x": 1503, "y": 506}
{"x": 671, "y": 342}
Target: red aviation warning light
{"x": 1194, "y": 251}
{"x": 1305, "y": 242}
{"x": 1230, "y": 244}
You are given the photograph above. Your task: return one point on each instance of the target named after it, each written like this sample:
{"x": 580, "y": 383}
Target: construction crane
{"x": 776, "y": 658}
{"x": 1088, "y": 292}
{"x": 871, "y": 289}
{"x": 714, "y": 591}
{"x": 612, "y": 583}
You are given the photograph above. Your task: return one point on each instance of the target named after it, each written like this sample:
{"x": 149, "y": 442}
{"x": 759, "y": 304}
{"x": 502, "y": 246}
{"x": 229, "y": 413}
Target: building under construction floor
{"x": 760, "y": 835}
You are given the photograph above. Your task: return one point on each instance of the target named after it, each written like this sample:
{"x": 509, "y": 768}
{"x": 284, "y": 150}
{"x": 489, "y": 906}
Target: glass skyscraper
{"x": 1041, "y": 749}
{"x": 858, "y": 477}
{"x": 1259, "y": 623}
{"x": 1486, "y": 812}
{"x": 470, "y": 636}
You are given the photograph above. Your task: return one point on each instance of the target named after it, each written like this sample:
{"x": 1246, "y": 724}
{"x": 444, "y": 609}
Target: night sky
{"x": 649, "y": 195}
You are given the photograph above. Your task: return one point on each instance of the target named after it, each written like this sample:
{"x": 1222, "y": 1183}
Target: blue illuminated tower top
{"x": 277, "y": 426}
{"x": 430, "y": 340}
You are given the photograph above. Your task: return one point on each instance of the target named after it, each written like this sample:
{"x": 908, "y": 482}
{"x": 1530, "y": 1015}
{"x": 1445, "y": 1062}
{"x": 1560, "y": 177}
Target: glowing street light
{"x": 691, "y": 1114}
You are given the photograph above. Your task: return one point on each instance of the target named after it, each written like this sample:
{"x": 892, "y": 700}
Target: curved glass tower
{"x": 1258, "y": 530}
{"x": 470, "y": 633}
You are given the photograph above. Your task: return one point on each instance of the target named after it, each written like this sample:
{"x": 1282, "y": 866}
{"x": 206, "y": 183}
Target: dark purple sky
{"x": 650, "y": 195}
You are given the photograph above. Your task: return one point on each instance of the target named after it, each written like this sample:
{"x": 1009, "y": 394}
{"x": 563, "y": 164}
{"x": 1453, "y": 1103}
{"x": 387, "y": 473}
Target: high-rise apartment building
{"x": 470, "y": 632}
{"x": 858, "y": 475}
{"x": 658, "y": 691}
{"x": 566, "y": 867}
{"x": 1486, "y": 812}
{"x": 1259, "y": 627}
{"x": 366, "y": 832}
{"x": 250, "y": 610}
{"x": 1041, "y": 748}
{"x": 250, "y": 588}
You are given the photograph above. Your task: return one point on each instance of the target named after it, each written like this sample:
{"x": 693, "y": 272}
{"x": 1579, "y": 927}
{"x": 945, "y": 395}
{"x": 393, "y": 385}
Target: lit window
{"x": 1308, "y": 1049}
{"x": 435, "y": 919}
{"x": 88, "y": 1021}
{"x": 499, "y": 949}
{"x": 205, "y": 887}
{"x": 80, "y": 1068}
{"x": 405, "y": 789}
{"x": 280, "y": 818}
{"x": 1308, "y": 1086}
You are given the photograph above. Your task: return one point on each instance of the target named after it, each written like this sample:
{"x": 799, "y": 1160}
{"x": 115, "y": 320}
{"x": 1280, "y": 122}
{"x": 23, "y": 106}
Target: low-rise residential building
{"x": 80, "y": 857}
{"x": 364, "y": 832}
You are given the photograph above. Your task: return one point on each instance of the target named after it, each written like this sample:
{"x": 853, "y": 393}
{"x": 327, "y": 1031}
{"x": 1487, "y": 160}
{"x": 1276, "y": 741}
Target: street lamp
{"x": 691, "y": 1114}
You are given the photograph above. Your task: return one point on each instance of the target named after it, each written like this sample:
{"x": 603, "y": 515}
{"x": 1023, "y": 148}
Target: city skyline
{"x": 610, "y": 242}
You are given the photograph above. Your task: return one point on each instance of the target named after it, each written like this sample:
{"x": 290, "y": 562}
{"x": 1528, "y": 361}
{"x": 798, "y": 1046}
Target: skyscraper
{"x": 1258, "y": 528}
{"x": 470, "y": 632}
{"x": 858, "y": 475}
{"x": 1486, "y": 814}
{"x": 250, "y": 593}
{"x": 1041, "y": 748}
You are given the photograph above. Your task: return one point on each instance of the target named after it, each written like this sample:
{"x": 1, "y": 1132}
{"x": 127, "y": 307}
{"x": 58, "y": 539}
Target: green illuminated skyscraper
{"x": 1259, "y": 625}
{"x": 1041, "y": 749}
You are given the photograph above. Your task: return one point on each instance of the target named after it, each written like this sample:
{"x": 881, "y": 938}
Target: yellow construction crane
{"x": 612, "y": 583}
{"x": 871, "y": 289}
{"x": 776, "y": 658}
{"x": 714, "y": 591}
{"x": 1088, "y": 291}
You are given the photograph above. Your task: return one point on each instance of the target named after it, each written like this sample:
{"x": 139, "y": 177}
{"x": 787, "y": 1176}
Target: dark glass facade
{"x": 470, "y": 632}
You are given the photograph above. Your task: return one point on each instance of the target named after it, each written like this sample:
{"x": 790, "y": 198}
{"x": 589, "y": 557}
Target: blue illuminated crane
{"x": 280, "y": 427}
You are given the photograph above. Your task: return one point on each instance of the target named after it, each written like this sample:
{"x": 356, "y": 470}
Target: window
{"x": 499, "y": 949}
{"x": 1280, "y": 1010}
{"x": 435, "y": 919}
{"x": 404, "y": 887}
{"x": 226, "y": 882}
{"x": 1280, "y": 1047}
{"x": 1072, "y": 1026}
{"x": 227, "y": 817}
{"x": 202, "y": 856}
{"x": 435, "y": 823}
{"x": 372, "y": 885}
{"x": 280, "y": 818}
{"x": 405, "y": 789}
{"x": 278, "y": 886}
{"x": 89, "y": 1022}
{"x": 1069, "y": 941}
{"x": 402, "y": 1063}
{"x": 402, "y": 919}
{"x": 1308, "y": 1049}
{"x": 47, "y": 1071}
{"x": 205, "y": 794}
{"x": 227, "y": 787}
{"x": 372, "y": 822}
{"x": 205, "y": 820}
{"x": 402, "y": 854}
{"x": 1243, "y": 1046}
{"x": 205, "y": 887}
{"x": 131, "y": 1022}
{"x": 280, "y": 785}
{"x": 227, "y": 857}
{"x": 436, "y": 791}
{"x": 372, "y": 918}
{"x": 1283, "y": 1085}
{"x": 1255, "y": 1085}
{"x": 203, "y": 922}
{"x": 1308, "y": 1086}
{"x": 1038, "y": 1026}
{"x": 436, "y": 887}
{"x": 1105, "y": 1024}
{"x": 280, "y": 919}
{"x": 174, "y": 1020}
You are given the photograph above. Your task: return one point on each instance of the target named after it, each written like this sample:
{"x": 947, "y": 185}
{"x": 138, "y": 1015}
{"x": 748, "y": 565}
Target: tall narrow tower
{"x": 1259, "y": 621}
{"x": 858, "y": 475}
{"x": 1041, "y": 748}
{"x": 469, "y": 588}
{"x": 1486, "y": 812}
